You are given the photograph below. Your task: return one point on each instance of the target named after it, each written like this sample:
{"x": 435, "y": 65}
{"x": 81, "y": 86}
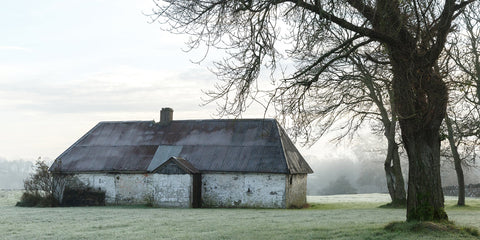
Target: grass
{"x": 332, "y": 217}
{"x": 437, "y": 228}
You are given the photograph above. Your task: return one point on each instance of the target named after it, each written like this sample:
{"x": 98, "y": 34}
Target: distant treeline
{"x": 12, "y": 173}
{"x": 345, "y": 176}
{"x": 471, "y": 190}
{"x": 361, "y": 171}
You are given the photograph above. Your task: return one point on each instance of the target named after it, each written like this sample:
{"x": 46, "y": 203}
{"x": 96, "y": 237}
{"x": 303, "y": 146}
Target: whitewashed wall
{"x": 253, "y": 190}
{"x": 174, "y": 190}
{"x": 132, "y": 188}
{"x": 163, "y": 190}
{"x": 243, "y": 190}
{"x": 104, "y": 182}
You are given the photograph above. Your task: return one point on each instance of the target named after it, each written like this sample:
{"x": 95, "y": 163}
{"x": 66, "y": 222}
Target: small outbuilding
{"x": 189, "y": 163}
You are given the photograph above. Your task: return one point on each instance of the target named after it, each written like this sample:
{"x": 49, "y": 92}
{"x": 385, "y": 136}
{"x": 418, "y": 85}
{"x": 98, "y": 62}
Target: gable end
{"x": 176, "y": 165}
{"x": 171, "y": 168}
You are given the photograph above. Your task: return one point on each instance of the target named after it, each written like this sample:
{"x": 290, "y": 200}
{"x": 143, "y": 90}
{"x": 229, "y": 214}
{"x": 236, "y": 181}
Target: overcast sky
{"x": 66, "y": 65}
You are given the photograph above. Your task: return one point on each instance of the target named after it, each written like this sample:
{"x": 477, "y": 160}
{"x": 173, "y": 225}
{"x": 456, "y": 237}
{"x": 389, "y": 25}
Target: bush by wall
{"x": 83, "y": 197}
{"x": 39, "y": 188}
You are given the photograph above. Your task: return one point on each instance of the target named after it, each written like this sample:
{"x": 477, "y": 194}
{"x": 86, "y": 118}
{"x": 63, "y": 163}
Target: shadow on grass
{"x": 394, "y": 205}
{"x": 342, "y": 205}
{"x": 474, "y": 207}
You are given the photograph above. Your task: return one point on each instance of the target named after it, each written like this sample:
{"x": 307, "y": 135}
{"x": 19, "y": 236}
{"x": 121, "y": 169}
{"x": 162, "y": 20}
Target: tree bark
{"x": 457, "y": 162}
{"x": 420, "y": 101}
{"x": 393, "y": 168}
{"x": 425, "y": 200}
{"x": 393, "y": 172}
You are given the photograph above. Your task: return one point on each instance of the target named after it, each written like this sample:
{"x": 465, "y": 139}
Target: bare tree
{"x": 366, "y": 78}
{"x": 376, "y": 78}
{"x": 456, "y": 160}
{"x": 463, "y": 120}
{"x": 39, "y": 182}
{"x": 465, "y": 52}
{"x": 43, "y": 188}
{"x": 464, "y": 147}
{"x": 411, "y": 33}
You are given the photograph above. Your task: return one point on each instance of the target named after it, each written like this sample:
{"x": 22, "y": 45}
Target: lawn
{"x": 330, "y": 217}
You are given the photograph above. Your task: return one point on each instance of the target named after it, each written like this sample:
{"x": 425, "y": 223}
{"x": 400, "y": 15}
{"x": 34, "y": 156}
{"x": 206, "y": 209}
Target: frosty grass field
{"x": 329, "y": 217}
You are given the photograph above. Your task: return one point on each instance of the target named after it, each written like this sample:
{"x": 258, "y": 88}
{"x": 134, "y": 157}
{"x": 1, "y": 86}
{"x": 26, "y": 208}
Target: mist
{"x": 357, "y": 167}
{"x": 354, "y": 167}
{"x": 12, "y": 173}
{"x": 343, "y": 175}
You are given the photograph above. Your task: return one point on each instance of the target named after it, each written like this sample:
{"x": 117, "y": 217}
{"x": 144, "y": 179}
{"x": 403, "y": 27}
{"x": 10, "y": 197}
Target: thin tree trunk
{"x": 393, "y": 172}
{"x": 393, "y": 168}
{"x": 457, "y": 162}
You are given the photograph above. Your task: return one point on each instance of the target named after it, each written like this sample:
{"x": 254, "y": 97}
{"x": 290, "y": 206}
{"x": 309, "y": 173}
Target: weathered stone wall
{"x": 296, "y": 190}
{"x": 132, "y": 188}
{"x": 243, "y": 190}
{"x": 156, "y": 189}
{"x": 218, "y": 189}
{"x": 103, "y": 182}
{"x": 173, "y": 190}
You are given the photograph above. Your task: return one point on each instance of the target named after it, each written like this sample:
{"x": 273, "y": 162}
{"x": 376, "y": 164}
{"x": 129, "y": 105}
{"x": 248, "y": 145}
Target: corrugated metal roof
{"x": 244, "y": 145}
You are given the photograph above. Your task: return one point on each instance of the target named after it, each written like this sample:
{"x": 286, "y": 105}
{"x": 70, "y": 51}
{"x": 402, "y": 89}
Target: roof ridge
{"x": 128, "y": 121}
{"x": 194, "y": 120}
{"x": 181, "y": 145}
{"x": 284, "y": 153}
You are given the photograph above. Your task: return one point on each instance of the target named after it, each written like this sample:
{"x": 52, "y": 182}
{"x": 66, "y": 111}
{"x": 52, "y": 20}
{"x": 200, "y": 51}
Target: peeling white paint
{"x": 173, "y": 190}
{"x": 131, "y": 188}
{"x": 243, "y": 190}
{"x": 163, "y": 190}
{"x": 103, "y": 182}
{"x": 249, "y": 190}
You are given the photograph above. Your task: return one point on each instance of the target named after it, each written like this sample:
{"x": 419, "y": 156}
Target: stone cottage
{"x": 189, "y": 163}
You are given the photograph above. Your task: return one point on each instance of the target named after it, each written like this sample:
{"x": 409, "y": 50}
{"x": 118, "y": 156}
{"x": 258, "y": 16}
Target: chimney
{"x": 166, "y": 115}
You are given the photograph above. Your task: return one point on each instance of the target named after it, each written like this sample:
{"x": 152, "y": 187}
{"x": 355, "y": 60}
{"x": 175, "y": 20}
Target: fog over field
{"x": 357, "y": 168}
{"x": 12, "y": 173}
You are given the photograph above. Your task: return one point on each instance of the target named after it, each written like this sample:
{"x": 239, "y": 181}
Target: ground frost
{"x": 330, "y": 217}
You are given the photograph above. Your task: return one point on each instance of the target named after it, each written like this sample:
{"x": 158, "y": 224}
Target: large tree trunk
{"x": 425, "y": 200}
{"x": 457, "y": 162}
{"x": 421, "y": 101}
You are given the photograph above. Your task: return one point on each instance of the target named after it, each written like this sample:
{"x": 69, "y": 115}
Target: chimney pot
{"x": 166, "y": 115}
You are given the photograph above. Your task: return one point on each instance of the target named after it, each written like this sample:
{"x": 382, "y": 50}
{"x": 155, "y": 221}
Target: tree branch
{"x": 367, "y": 32}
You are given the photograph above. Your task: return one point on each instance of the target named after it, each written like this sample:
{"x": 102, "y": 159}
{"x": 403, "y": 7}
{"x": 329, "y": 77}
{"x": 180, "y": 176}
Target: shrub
{"x": 84, "y": 196}
{"x": 29, "y": 200}
{"x": 149, "y": 200}
{"x": 40, "y": 187}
